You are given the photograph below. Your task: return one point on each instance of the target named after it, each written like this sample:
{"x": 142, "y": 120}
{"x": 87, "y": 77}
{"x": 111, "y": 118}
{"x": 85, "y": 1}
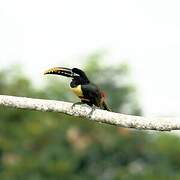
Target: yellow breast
{"x": 77, "y": 90}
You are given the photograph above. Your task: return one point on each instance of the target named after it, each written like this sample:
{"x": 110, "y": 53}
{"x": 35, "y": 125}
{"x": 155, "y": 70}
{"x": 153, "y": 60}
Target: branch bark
{"x": 117, "y": 119}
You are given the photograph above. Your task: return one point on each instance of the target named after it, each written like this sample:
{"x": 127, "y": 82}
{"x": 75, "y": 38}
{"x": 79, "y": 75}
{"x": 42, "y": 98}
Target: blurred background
{"x": 129, "y": 48}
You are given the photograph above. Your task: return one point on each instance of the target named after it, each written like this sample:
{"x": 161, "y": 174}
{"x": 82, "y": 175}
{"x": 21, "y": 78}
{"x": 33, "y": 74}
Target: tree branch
{"x": 117, "y": 119}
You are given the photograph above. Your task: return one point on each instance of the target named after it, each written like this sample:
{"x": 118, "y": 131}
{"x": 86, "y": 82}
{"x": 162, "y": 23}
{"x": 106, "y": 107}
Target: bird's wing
{"x": 91, "y": 91}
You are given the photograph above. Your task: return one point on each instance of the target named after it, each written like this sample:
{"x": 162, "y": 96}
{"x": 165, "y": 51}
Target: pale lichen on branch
{"x": 117, "y": 119}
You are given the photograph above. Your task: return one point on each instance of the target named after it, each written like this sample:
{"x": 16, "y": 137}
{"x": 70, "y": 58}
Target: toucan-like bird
{"x": 88, "y": 92}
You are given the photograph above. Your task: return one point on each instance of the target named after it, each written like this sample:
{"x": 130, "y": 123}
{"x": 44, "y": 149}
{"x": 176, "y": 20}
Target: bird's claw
{"x": 77, "y": 103}
{"x": 93, "y": 108}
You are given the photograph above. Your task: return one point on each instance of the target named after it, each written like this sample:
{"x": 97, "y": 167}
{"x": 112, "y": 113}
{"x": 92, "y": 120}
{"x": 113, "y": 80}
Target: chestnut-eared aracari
{"x": 88, "y": 92}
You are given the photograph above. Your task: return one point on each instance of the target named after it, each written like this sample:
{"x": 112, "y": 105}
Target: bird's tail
{"x": 105, "y": 107}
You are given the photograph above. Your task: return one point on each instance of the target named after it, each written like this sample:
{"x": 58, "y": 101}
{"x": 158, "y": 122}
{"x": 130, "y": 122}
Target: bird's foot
{"x": 93, "y": 108}
{"x": 77, "y": 103}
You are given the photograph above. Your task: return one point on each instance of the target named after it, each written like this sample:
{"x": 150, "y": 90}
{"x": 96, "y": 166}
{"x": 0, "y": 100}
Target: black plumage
{"x": 87, "y": 91}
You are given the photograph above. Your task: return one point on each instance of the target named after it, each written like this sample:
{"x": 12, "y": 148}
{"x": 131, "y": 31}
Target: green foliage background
{"x": 40, "y": 146}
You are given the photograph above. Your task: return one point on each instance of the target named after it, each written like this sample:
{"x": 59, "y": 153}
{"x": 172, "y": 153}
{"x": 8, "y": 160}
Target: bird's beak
{"x": 60, "y": 71}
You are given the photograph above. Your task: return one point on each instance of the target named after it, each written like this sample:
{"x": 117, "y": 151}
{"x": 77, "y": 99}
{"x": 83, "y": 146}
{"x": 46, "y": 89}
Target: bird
{"x": 88, "y": 92}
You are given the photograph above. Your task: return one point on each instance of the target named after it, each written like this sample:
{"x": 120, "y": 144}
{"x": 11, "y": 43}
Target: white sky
{"x": 41, "y": 34}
